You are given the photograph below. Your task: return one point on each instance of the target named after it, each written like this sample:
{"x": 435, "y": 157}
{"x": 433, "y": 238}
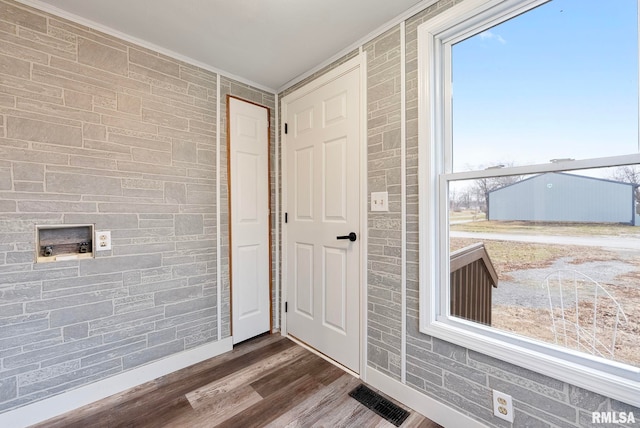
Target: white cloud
{"x": 488, "y": 35}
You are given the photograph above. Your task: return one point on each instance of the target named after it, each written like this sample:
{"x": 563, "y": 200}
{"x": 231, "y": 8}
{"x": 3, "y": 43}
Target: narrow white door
{"x": 249, "y": 195}
{"x": 323, "y": 197}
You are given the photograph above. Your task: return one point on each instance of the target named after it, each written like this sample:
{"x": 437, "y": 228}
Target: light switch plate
{"x": 379, "y": 201}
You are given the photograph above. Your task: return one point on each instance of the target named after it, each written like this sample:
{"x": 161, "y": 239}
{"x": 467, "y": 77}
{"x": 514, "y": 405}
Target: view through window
{"x": 549, "y": 253}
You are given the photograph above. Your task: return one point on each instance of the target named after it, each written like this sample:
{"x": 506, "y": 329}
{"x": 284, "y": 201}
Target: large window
{"x": 530, "y": 175}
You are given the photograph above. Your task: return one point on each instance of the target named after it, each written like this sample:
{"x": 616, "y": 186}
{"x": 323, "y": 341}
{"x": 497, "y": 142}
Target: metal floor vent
{"x": 383, "y": 407}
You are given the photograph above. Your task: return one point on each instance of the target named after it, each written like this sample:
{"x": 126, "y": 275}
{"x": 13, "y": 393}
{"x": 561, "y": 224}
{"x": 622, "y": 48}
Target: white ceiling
{"x": 267, "y": 42}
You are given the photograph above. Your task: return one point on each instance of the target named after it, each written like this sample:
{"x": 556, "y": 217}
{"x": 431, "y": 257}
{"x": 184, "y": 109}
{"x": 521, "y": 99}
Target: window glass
{"x": 527, "y": 256}
{"x": 553, "y": 257}
{"x": 559, "y": 81}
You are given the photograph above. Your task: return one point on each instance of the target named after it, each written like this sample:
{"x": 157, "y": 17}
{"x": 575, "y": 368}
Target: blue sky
{"x": 560, "y": 81}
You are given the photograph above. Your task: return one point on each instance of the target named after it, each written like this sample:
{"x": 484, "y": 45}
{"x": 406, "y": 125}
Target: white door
{"x": 249, "y": 195}
{"x": 322, "y": 204}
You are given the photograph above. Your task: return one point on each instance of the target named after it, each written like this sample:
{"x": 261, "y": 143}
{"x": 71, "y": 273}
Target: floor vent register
{"x": 380, "y": 405}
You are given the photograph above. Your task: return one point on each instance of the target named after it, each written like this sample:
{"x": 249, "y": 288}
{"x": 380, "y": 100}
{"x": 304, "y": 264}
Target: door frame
{"x": 359, "y": 62}
{"x": 229, "y": 222}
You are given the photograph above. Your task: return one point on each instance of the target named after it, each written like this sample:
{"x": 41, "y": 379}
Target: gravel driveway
{"x": 525, "y": 288}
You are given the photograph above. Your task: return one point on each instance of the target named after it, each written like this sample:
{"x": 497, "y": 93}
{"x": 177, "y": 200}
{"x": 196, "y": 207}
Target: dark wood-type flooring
{"x": 267, "y": 381}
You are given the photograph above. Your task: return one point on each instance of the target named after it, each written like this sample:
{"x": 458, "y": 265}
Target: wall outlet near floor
{"x": 103, "y": 240}
{"x": 502, "y": 406}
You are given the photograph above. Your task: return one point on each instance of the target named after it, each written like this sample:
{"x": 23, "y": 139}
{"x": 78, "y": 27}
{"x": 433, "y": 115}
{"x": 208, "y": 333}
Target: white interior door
{"x": 249, "y": 195}
{"x": 322, "y": 203}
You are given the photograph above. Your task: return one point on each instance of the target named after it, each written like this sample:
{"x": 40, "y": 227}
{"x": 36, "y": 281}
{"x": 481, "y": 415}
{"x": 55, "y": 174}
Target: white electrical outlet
{"x": 103, "y": 240}
{"x": 379, "y": 201}
{"x": 502, "y": 406}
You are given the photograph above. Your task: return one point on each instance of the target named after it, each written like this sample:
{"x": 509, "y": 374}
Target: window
{"x": 530, "y": 172}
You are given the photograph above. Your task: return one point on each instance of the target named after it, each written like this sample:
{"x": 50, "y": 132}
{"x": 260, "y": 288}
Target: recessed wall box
{"x": 64, "y": 242}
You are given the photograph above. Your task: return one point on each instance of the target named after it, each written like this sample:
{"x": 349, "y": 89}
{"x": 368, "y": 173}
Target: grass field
{"x": 508, "y": 256}
{"x": 547, "y": 228}
{"x": 467, "y": 215}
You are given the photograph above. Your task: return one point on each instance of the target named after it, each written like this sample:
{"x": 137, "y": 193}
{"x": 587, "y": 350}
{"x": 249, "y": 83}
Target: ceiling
{"x": 266, "y": 42}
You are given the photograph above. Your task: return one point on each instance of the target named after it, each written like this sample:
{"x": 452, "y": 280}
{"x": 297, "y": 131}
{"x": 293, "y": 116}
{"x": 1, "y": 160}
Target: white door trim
{"x": 359, "y": 62}
{"x": 364, "y": 210}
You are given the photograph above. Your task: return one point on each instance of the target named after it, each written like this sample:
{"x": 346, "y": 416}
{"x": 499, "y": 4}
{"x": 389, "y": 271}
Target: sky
{"x": 559, "y": 81}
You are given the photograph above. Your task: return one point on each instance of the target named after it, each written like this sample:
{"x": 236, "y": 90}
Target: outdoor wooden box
{"x": 472, "y": 280}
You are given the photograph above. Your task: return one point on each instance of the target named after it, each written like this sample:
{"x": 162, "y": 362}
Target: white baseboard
{"x": 425, "y": 405}
{"x": 54, "y": 406}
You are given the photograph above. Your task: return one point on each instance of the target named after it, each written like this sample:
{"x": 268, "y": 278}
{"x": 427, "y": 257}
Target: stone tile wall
{"x": 384, "y": 304}
{"x": 97, "y": 130}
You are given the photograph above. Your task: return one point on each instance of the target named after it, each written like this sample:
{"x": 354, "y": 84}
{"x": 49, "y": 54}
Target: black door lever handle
{"x": 351, "y": 237}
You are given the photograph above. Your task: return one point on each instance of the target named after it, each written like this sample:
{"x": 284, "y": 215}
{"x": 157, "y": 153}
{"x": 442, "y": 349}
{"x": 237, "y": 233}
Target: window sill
{"x": 540, "y": 358}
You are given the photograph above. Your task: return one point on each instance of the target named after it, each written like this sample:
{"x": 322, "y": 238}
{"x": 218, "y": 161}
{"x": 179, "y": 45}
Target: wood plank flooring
{"x": 268, "y": 381}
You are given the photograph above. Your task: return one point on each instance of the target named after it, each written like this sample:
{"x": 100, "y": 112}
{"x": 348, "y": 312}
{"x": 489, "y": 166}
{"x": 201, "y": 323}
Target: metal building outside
{"x": 563, "y": 197}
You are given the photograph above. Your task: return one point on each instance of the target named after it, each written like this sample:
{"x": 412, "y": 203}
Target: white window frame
{"x": 616, "y": 380}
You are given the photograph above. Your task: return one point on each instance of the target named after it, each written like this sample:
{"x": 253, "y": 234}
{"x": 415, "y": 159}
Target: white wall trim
{"x": 46, "y": 7}
{"x": 218, "y": 215}
{"x": 283, "y": 195}
{"x": 364, "y": 215}
{"x": 358, "y": 44}
{"x": 277, "y": 215}
{"x": 423, "y": 404}
{"x": 51, "y": 407}
{"x": 403, "y": 201}
{"x": 320, "y": 81}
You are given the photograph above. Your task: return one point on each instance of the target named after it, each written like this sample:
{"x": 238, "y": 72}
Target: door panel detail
{"x": 247, "y": 127}
{"x": 303, "y": 193}
{"x": 247, "y": 187}
{"x": 247, "y": 280}
{"x": 334, "y": 193}
{"x": 303, "y": 121}
{"x": 304, "y": 279}
{"x": 334, "y": 109}
{"x": 335, "y": 288}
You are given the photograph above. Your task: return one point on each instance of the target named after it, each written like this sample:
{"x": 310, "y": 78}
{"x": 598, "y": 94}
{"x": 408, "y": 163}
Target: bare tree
{"x": 464, "y": 199}
{"x": 483, "y": 186}
{"x": 629, "y": 174}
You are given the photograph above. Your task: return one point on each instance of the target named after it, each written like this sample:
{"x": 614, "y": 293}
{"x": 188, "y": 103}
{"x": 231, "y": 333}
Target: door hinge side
{"x": 286, "y": 128}
{"x": 286, "y": 306}
{"x": 286, "y": 217}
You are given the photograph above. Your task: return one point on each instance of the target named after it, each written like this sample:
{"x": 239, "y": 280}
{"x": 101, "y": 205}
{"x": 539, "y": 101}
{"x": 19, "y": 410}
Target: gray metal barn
{"x": 566, "y": 197}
